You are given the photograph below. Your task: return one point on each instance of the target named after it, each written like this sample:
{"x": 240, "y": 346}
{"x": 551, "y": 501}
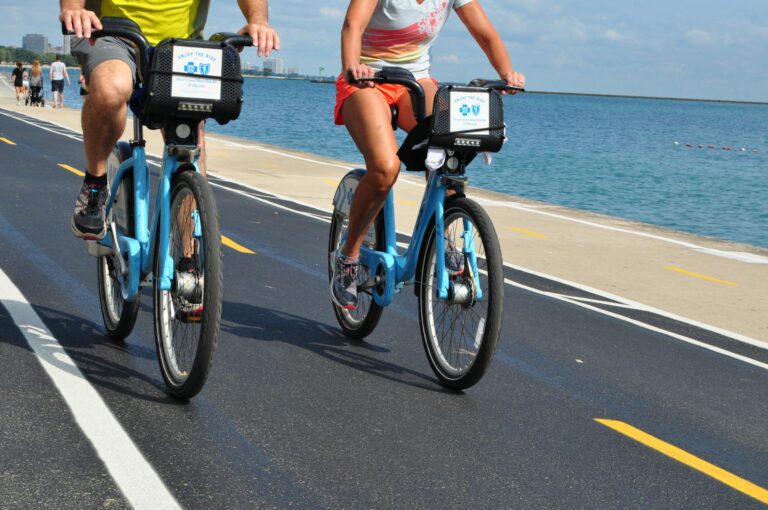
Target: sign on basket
{"x": 199, "y": 65}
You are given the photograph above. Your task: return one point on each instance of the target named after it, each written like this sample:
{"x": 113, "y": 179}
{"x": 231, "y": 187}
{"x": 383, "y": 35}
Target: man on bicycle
{"x": 109, "y": 66}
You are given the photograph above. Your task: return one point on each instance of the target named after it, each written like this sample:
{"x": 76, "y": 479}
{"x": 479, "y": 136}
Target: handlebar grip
{"x": 64, "y": 30}
{"x": 495, "y": 85}
{"x": 229, "y": 38}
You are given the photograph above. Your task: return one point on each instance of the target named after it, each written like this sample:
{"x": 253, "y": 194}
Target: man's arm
{"x": 77, "y": 19}
{"x": 265, "y": 38}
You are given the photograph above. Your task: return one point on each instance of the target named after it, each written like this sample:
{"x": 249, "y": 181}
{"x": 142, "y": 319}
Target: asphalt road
{"x": 296, "y": 415}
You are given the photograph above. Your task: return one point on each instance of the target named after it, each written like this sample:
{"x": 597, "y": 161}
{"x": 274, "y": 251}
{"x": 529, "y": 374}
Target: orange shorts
{"x": 390, "y": 92}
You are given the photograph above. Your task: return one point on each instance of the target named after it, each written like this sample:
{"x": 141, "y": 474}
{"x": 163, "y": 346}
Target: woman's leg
{"x": 405, "y": 119}
{"x": 369, "y": 121}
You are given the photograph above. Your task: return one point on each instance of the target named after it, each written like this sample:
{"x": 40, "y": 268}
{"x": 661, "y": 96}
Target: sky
{"x": 674, "y": 48}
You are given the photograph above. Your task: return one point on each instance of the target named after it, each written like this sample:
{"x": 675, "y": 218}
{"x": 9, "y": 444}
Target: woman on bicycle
{"x": 378, "y": 33}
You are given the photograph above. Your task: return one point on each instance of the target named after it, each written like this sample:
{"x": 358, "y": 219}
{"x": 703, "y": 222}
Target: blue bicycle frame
{"x": 400, "y": 268}
{"x": 140, "y": 250}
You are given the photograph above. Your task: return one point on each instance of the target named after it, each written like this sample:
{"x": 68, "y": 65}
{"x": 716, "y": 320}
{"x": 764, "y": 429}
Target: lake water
{"x": 616, "y": 156}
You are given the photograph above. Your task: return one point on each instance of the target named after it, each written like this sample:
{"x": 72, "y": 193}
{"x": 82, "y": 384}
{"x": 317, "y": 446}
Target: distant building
{"x": 65, "y": 45}
{"x": 36, "y": 43}
{"x": 291, "y": 70}
{"x": 274, "y": 65}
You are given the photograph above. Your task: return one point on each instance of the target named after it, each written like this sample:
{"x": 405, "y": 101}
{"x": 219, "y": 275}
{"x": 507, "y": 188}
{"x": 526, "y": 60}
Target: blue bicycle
{"x": 178, "y": 254}
{"x": 460, "y": 310}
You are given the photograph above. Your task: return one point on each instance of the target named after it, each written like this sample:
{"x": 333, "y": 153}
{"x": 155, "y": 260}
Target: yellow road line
{"x": 697, "y": 275}
{"x": 235, "y": 246}
{"x": 527, "y": 232}
{"x": 719, "y": 474}
{"x": 332, "y": 183}
{"x": 407, "y": 202}
{"x": 5, "y": 140}
{"x": 72, "y": 169}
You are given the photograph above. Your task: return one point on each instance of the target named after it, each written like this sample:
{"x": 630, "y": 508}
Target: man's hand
{"x": 265, "y": 37}
{"x": 80, "y": 21}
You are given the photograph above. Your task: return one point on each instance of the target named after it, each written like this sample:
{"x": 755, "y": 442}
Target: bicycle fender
{"x": 342, "y": 199}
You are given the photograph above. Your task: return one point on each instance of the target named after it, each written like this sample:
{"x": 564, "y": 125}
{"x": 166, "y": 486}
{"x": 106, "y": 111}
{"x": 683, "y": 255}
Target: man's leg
{"x": 103, "y": 120}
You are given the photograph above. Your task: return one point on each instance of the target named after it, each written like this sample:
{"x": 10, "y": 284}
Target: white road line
{"x": 643, "y": 325}
{"x": 135, "y": 477}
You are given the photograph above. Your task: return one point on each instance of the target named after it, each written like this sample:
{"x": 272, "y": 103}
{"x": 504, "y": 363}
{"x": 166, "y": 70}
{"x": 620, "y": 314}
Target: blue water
{"x": 615, "y": 156}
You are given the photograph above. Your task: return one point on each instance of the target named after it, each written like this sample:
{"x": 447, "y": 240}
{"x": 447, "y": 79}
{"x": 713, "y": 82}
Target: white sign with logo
{"x": 469, "y": 111}
{"x": 197, "y": 63}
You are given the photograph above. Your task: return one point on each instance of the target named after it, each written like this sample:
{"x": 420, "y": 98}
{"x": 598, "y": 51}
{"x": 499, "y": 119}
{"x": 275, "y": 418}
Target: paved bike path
{"x": 296, "y": 414}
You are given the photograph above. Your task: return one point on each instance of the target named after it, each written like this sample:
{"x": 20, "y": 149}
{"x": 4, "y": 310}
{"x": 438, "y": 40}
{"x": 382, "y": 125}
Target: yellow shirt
{"x": 158, "y": 19}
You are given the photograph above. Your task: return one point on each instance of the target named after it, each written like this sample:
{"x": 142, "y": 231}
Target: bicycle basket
{"x": 467, "y": 118}
{"x": 193, "y": 79}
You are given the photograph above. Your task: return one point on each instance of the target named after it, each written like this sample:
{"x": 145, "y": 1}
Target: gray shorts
{"x": 106, "y": 48}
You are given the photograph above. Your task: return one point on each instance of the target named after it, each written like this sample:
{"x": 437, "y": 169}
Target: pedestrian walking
{"x": 58, "y": 72}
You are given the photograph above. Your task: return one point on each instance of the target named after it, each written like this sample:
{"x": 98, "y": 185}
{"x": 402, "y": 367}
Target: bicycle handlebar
{"x": 495, "y": 85}
{"x": 127, "y": 29}
{"x": 400, "y": 76}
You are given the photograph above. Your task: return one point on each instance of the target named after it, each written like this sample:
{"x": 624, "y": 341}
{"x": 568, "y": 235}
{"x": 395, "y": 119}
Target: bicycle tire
{"x": 186, "y": 377}
{"x": 473, "y": 357}
{"x": 361, "y": 322}
{"x": 118, "y": 315}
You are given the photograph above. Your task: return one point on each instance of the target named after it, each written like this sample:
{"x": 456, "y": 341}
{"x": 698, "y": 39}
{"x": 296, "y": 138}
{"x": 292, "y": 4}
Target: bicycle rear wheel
{"x": 119, "y": 316}
{"x": 188, "y": 316}
{"x": 360, "y": 322}
{"x": 460, "y": 333}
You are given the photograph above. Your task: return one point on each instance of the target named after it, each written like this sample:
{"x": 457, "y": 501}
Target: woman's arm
{"x": 481, "y": 28}
{"x": 358, "y": 16}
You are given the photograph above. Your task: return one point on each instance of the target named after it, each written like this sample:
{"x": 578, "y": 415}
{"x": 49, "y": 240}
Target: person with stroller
{"x": 36, "y": 85}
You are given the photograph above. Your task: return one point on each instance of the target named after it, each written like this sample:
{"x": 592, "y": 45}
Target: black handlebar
{"x": 400, "y": 76}
{"x": 230, "y": 39}
{"x": 495, "y": 85}
{"x": 127, "y": 29}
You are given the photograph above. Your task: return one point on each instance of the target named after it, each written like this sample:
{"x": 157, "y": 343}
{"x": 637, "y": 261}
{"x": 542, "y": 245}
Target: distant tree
{"x": 267, "y": 72}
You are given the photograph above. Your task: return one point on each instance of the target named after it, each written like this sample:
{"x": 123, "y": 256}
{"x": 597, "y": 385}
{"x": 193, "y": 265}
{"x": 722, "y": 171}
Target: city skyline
{"x": 679, "y": 48}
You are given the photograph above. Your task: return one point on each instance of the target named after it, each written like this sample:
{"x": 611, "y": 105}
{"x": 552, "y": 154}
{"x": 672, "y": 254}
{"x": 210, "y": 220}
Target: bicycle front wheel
{"x": 187, "y": 317}
{"x": 460, "y": 333}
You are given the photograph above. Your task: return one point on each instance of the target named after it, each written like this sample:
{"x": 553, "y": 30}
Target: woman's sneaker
{"x": 89, "y": 219}
{"x": 344, "y": 282}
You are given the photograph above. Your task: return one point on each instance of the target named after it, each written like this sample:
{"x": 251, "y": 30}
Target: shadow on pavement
{"x": 268, "y": 325}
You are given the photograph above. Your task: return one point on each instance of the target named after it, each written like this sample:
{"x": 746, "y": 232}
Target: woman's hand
{"x": 357, "y": 71}
{"x": 514, "y": 79}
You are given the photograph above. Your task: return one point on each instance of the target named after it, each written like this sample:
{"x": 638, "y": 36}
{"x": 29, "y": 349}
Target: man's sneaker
{"x": 88, "y": 221}
{"x": 344, "y": 282}
{"x": 454, "y": 259}
{"x": 189, "y": 309}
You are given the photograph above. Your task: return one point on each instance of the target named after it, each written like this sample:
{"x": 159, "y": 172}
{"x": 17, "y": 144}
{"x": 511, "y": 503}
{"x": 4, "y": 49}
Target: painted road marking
{"x": 527, "y": 232}
{"x": 135, "y": 477}
{"x": 407, "y": 202}
{"x": 330, "y": 182}
{"x": 72, "y": 169}
{"x": 5, "y": 140}
{"x": 701, "y": 276}
{"x": 235, "y": 246}
{"x": 719, "y": 474}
